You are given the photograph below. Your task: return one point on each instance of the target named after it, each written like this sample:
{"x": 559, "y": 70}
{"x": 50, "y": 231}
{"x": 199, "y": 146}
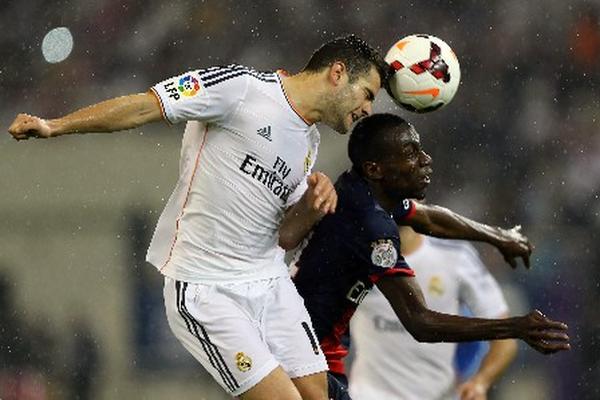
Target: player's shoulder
{"x": 354, "y": 194}
{"x": 358, "y": 207}
{"x": 357, "y": 213}
{"x": 216, "y": 75}
{"x": 356, "y": 201}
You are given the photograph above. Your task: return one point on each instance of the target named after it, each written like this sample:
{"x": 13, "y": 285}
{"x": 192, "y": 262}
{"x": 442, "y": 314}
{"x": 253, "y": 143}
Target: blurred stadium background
{"x": 80, "y": 312}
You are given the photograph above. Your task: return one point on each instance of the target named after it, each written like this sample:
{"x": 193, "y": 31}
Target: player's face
{"x": 352, "y": 101}
{"x": 408, "y": 173}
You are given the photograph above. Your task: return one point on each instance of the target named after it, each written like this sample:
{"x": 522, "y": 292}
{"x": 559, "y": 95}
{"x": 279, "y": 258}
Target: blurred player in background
{"x": 359, "y": 246}
{"x": 246, "y": 160}
{"x": 451, "y": 275}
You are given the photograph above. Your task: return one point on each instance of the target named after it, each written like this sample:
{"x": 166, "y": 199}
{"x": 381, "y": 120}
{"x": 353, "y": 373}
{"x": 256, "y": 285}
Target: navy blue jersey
{"x": 346, "y": 254}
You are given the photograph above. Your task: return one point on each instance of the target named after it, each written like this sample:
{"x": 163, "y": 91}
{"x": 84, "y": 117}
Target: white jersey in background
{"x": 389, "y": 363}
{"x": 244, "y": 159}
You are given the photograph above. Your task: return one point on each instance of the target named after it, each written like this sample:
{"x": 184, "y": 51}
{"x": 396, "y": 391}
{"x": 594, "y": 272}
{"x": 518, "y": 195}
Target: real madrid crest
{"x": 436, "y": 286}
{"x": 243, "y": 362}
{"x": 384, "y": 253}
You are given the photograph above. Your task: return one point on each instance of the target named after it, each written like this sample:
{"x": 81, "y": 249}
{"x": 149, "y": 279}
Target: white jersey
{"x": 245, "y": 157}
{"x": 389, "y": 363}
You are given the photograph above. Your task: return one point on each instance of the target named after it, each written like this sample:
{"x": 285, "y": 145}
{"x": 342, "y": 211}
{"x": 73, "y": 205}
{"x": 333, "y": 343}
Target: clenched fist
{"x": 26, "y": 126}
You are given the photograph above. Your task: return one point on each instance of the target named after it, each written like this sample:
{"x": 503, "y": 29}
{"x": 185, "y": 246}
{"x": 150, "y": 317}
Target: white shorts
{"x": 241, "y": 332}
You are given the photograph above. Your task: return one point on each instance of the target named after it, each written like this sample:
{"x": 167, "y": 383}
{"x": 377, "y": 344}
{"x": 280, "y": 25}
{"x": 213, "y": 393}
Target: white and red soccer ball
{"x": 425, "y": 75}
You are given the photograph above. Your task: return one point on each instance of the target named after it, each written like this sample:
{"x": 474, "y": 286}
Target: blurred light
{"x": 57, "y": 45}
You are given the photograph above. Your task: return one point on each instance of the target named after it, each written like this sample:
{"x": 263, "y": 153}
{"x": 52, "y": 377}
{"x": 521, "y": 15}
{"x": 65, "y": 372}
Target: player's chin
{"x": 419, "y": 196}
{"x": 348, "y": 121}
{"x": 420, "y": 192}
{"x": 343, "y": 127}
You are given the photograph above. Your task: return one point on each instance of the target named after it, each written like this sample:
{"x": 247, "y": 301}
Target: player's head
{"x": 357, "y": 56}
{"x": 386, "y": 150}
{"x": 355, "y": 72}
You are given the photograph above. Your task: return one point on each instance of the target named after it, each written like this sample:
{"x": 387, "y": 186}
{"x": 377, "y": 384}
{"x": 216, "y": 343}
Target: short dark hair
{"x": 372, "y": 138}
{"x": 354, "y": 52}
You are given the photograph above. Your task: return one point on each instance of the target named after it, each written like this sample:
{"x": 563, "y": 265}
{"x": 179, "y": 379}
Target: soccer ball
{"x": 425, "y": 74}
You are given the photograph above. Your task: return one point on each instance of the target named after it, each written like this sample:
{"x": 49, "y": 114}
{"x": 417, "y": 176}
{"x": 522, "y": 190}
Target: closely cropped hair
{"x": 354, "y": 52}
{"x": 372, "y": 137}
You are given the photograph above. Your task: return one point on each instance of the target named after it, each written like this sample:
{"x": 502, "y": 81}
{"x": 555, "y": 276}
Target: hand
{"x": 473, "y": 389}
{"x": 320, "y": 195}
{"x": 543, "y": 334}
{"x": 26, "y": 126}
{"x": 514, "y": 244}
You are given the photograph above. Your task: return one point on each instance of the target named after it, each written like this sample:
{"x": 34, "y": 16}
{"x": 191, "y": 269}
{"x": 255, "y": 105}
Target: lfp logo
{"x": 188, "y": 86}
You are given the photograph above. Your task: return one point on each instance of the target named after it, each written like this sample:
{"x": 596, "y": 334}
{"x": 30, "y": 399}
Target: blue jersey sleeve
{"x": 381, "y": 250}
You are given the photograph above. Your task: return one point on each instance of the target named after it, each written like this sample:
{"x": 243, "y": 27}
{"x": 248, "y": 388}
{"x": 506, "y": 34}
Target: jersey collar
{"x": 283, "y": 73}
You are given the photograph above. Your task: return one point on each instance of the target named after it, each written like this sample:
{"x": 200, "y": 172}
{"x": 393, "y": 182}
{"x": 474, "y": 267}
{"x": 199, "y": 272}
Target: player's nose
{"x": 426, "y": 159}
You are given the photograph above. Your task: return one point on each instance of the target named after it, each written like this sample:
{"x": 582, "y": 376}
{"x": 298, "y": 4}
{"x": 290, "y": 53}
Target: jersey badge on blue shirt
{"x": 384, "y": 253}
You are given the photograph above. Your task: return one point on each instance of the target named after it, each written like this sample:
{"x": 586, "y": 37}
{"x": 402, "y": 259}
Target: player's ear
{"x": 337, "y": 71}
{"x": 372, "y": 170}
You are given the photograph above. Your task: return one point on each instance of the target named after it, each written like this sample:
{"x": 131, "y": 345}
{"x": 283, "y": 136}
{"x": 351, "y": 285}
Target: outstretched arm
{"x": 495, "y": 362}
{"x": 441, "y": 222}
{"x": 406, "y": 298}
{"x": 116, "y": 114}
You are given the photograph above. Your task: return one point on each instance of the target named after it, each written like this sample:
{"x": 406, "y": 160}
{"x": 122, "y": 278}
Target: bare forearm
{"x": 318, "y": 200}
{"x": 425, "y": 325}
{"x": 441, "y": 222}
{"x": 432, "y": 326}
{"x": 108, "y": 116}
{"x": 406, "y": 298}
{"x": 296, "y": 224}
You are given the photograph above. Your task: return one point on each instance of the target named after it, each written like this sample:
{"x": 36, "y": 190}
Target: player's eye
{"x": 411, "y": 151}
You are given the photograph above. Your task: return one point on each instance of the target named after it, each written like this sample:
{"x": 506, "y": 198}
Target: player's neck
{"x": 304, "y": 92}
{"x": 410, "y": 241}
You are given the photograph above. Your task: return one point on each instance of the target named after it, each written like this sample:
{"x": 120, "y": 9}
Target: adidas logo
{"x": 265, "y": 132}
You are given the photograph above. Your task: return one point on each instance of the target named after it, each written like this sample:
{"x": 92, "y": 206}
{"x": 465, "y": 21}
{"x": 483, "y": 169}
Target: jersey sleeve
{"x": 381, "y": 249}
{"x": 478, "y": 289}
{"x": 404, "y": 211}
{"x": 204, "y": 95}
